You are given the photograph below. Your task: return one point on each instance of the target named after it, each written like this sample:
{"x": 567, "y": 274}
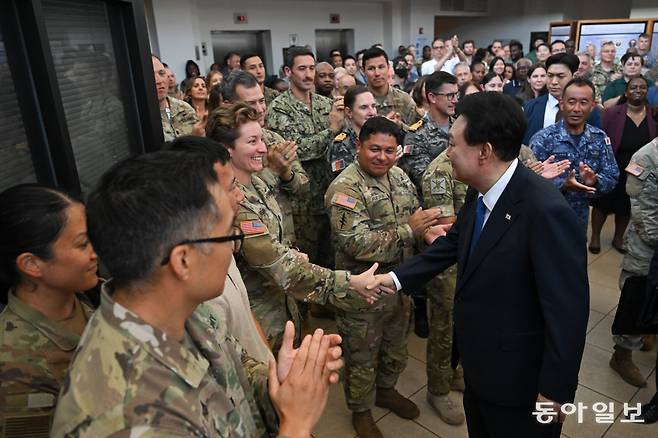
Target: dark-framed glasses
{"x": 449, "y": 96}
{"x": 236, "y": 237}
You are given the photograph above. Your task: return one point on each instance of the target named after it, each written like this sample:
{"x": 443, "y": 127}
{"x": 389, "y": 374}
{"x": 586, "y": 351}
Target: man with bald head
{"x": 324, "y": 79}
{"x": 343, "y": 83}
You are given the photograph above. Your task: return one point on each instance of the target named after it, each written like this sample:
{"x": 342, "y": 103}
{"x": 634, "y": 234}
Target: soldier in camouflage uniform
{"x": 45, "y": 259}
{"x": 428, "y": 137}
{"x": 154, "y": 360}
{"x": 593, "y": 168}
{"x": 606, "y": 71}
{"x": 274, "y": 273}
{"x": 311, "y": 123}
{"x": 252, "y": 64}
{"x": 390, "y": 101}
{"x": 374, "y": 218}
{"x": 359, "y": 106}
{"x": 177, "y": 117}
{"x": 640, "y": 243}
{"x": 285, "y": 174}
{"x": 441, "y": 190}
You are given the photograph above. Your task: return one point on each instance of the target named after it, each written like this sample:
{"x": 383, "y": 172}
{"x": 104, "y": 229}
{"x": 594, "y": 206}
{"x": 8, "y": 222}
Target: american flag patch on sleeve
{"x": 345, "y": 201}
{"x": 253, "y": 227}
{"x": 634, "y": 169}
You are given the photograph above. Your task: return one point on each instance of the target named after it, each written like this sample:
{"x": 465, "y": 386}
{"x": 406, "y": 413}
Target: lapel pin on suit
{"x": 508, "y": 216}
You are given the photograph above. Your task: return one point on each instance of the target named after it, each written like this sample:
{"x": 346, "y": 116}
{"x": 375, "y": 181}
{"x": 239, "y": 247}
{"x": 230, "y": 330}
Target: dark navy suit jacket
{"x": 522, "y": 296}
{"x": 534, "y": 114}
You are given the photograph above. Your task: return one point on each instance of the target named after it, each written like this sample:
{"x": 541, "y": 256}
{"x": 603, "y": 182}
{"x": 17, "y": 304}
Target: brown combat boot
{"x": 365, "y": 425}
{"x": 622, "y": 362}
{"x": 457, "y": 382}
{"x": 393, "y": 400}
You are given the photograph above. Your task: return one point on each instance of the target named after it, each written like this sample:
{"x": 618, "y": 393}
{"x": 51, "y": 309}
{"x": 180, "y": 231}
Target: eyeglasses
{"x": 449, "y": 96}
{"x": 237, "y": 237}
{"x": 438, "y": 47}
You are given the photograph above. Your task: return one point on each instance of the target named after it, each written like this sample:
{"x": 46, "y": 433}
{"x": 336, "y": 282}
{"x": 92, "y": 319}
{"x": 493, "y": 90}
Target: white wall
{"x": 182, "y": 25}
{"x": 644, "y": 9}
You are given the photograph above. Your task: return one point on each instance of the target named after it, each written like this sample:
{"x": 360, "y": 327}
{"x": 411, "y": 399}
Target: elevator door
{"x": 327, "y": 40}
{"x": 243, "y": 42}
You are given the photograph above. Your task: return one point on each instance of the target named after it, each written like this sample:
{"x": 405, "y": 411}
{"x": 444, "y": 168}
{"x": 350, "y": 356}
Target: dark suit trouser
{"x": 487, "y": 420}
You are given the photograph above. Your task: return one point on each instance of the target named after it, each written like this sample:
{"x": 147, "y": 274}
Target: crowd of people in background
{"x": 277, "y": 197}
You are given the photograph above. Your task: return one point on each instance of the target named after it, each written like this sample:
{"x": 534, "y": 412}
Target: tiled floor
{"x": 598, "y": 383}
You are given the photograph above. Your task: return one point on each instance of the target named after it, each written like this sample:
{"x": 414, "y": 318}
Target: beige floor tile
{"x": 596, "y": 374}
{"x": 634, "y": 430}
{"x": 393, "y": 426}
{"x": 413, "y": 378}
{"x": 594, "y": 318}
{"x": 430, "y": 420}
{"x": 417, "y": 347}
{"x": 588, "y": 428}
{"x": 602, "y": 298}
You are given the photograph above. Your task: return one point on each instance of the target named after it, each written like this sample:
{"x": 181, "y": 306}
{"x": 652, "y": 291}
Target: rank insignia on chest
{"x": 407, "y": 149}
{"x": 253, "y": 227}
{"x": 345, "y": 201}
{"x": 338, "y": 165}
{"x": 634, "y": 169}
{"x": 340, "y": 137}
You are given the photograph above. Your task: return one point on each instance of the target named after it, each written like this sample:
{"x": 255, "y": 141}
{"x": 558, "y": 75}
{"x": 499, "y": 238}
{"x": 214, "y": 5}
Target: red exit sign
{"x": 334, "y": 18}
{"x": 240, "y": 18}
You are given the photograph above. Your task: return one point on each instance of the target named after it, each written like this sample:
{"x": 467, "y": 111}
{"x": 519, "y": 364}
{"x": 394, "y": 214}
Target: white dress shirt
{"x": 490, "y": 199}
{"x": 551, "y": 111}
{"x": 429, "y": 67}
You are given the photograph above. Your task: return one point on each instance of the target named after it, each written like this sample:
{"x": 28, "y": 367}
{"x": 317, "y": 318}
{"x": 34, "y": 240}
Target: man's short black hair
{"x": 495, "y": 118}
{"x": 468, "y": 42}
{"x": 380, "y": 125}
{"x": 570, "y": 60}
{"x": 374, "y": 52}
{"x": 144, "y": 206}
{"x": 517, "y": 44}
{"x": 436, "y": 79}
{"x": 231, "y": 82}
{"x": 213, "y": 150}
{"x": 346, "y": 57}
{"x": 229, "y": 55}
{"x": 247, "y": 56}
{"x": 295, "y": 51}
{"x": 629, "y": 55}
{"x": 558, "y": 42}
{"x": 580, "y": 82}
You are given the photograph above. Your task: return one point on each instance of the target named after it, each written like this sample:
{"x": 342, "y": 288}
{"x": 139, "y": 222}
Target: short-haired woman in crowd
{"x": 196, "y": 94}
{"x": 46, "y": 262}
{"x": 275, "y": 274}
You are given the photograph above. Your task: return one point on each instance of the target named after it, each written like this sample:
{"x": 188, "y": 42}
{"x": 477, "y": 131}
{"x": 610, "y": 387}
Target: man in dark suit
{"x": 543, "y": 111}
{"x": 522, "y": 295}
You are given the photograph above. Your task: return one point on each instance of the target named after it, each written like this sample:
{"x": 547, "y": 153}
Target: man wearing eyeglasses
{"x": 445, "y": 55}
{"x": 428, "y": 137}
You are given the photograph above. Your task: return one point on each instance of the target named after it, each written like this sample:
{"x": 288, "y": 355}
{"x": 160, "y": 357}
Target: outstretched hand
{"x": 359, "y": 283}
{"x": 435, "y": 232}
{"x": 552, "y": 170}
{"x": 572, "y": 184}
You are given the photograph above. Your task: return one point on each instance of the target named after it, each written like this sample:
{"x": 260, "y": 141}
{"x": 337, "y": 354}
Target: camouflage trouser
{"x": 313, "y": 234}
{"x": 272, "y": 312}
{"x": 375, "y": 350}
{"x": 441, "y": 295}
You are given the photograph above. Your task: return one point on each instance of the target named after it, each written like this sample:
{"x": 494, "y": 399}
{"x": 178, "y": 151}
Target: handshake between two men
{"x": 425, "y": 224}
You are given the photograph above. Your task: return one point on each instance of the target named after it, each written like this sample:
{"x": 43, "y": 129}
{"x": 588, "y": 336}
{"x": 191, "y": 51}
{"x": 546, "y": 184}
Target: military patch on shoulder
{"x": 607, "y": 140}
{"x": 438, "y": 186}
{"x": 634, "y": 169}
{"x": 338, "y": 165}
{"x": 253, "y": 228}
{"x": 340, "y": 137}
{"x": 344, "y": 201}
{"x": 407, "y": 149}
{"x": 416, "y": 125}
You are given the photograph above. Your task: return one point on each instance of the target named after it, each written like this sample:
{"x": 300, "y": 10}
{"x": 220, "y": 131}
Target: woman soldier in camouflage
{"x": 45, "y": 261}
{"x": 275, "y": 274}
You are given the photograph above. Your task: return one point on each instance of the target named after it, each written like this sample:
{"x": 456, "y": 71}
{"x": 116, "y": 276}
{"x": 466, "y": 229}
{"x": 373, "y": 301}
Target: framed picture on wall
{"x": 622, "y": 32}
{"x": 561, "y": 30}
